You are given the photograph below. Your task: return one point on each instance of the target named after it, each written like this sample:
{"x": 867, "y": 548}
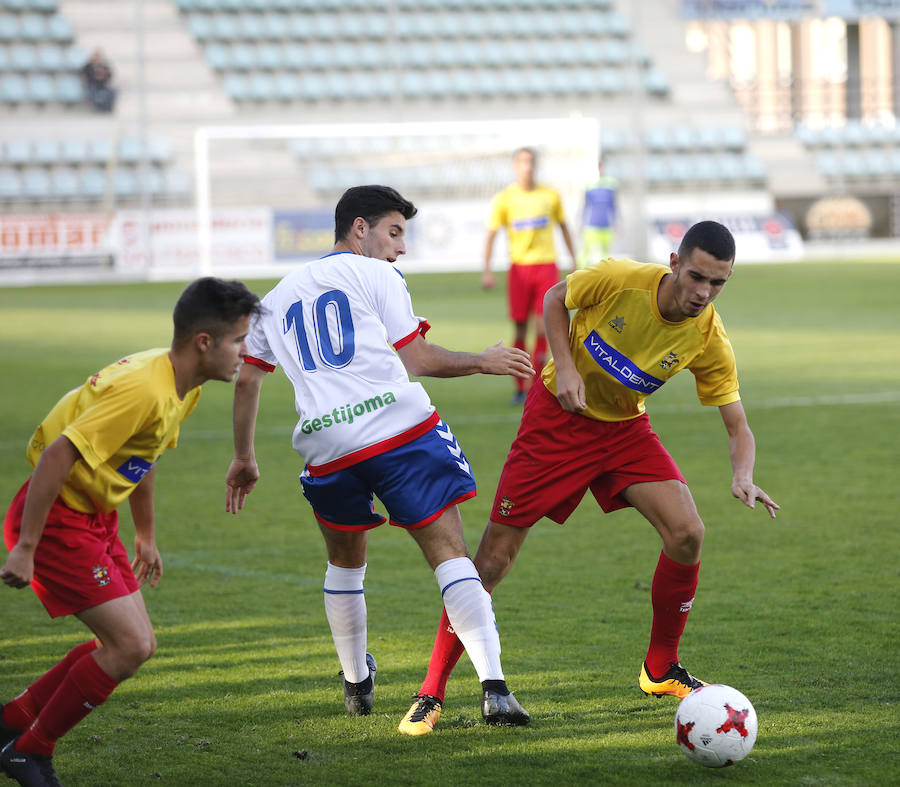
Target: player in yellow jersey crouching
{"x": 97, "y": 447}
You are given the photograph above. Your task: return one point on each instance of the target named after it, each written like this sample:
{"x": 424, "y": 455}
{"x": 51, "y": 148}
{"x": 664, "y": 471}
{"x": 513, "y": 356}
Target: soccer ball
{"x": 715, "y": 725}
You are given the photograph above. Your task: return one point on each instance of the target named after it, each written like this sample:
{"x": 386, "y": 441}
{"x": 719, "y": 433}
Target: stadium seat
{"x": 92, "y": 183}
{"x": 10, "y": 184}
{"x": 64, "y": 183}
{"x": 876, "y": 164}
{"x": 41, "y": 89}
{"x": 829, "y": 136}
{"x": 17, "y": 152}
{"x": 656, "y": 82}
{"x": 224, "y": 27}
{"x": 75, "y": 57}
{"x": 218, "y": 57}
{"x": 294, "y": 57}
{"x": 806, "y": 135}
{"x": 15, "y": 5}
{"x": 656, "y": 170}
{"x": 128, "y": 151}
{"x": 243, "y": 57}
{"x": 261, "y": 87}
{"x": 177, "y": 183}
{"x": 683, "y": 138}
{"x": 22, "y": 57}
{"x": 100, "y": 150}
{"x": 69, "y": 89}
{"x": 44, "y": 6}
{"x": 250, "y": 27}
{"x": 73, "y": 151}
{"x": 125, "y": 183}
{"x": 709, "y": 138}
{"x": 730, "y": 167}
{"x": 50, "y": 57}
{"x": 274, "y": 26}
{"x": 4, "y": 59}
{"x": 45, "y": 151}
{"x": 853, "y": 134}
{"x": 9, "y": 28}
{"x": 59, "y": 29}
{"x": 681, "y": 168}
{"x": 286, "y": 87}
{"x": 852, "y": 164}
{"x": 32, "y": 27}
{"x": 734, "y": 138}
{"x": 36, "y": 184}
{"x": 200, "y": 27}
{"x": 12, "y": 89}
{"x": 754, "y": 168}
{"x": 159, "y": 150}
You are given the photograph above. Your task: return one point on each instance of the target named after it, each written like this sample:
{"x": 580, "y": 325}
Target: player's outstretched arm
{"x": 49, "y": 475}
{"x": 742, "y": 449}
{"x": 422, "y": 359}
{"x": 147, "y": 563}
{"x": 243, "y": 473}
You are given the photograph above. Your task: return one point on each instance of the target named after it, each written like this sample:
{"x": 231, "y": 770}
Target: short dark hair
{"x": 371, "y": 203}
{"x": 211, "y": 305}
{"x": 525, "y": 149}
{"x": 711, "y": 237}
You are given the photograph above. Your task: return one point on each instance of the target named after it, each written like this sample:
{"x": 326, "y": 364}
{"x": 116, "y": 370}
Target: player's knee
{"x": 686, "y": 540}
{"x": 137, "y": 651}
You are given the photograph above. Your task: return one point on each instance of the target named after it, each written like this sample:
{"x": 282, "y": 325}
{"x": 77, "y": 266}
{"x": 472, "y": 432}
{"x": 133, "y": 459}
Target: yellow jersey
{"x": 624, "y": 349}
{"x": 121, "y": 421}
{"x": 528, "y": 217}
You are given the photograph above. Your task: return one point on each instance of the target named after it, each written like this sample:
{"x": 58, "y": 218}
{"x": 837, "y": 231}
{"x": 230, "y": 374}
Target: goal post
{"x": 449, "y": 169}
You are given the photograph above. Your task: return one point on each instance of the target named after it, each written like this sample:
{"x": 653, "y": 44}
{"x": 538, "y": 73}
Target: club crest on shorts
{"x": 506, "y": 506}
{"x": 100, "y": 575}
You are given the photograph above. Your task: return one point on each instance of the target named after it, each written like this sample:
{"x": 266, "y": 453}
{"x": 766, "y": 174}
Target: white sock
{"x": 471, "y": 614}
{"x": 345, "y": 607}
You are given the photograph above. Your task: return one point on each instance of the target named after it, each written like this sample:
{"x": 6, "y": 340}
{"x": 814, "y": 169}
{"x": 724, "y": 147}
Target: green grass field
{"x": 800, "y": 614}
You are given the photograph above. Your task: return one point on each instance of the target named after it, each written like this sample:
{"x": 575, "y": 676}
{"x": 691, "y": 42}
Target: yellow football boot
{"x": 677, "y": 681}
{"x": 422, "y": 716}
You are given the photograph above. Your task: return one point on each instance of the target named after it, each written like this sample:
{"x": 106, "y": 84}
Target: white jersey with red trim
{"x": 331, "y": 326}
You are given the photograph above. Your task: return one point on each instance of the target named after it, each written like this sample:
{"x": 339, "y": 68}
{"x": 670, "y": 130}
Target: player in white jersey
{"x": 344, "y": 331}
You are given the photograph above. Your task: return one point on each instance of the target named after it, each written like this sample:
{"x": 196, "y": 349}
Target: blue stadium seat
{"x": 754, "y": 168}
{"x": 894, "y": 163}
{"x": 681, "y": 168}
{"x": 64, "y": 183}
{"x": 200, "y": 27}
{"x": 829, "y": 136}
{"x": 274, "y": 26}
{"x": 261, "y": 87}
{"x": 17, "y": 152}
{"x": 610, "y": 81}
{"x": 128, "y": 151}
{"x": 36, "y": 184}
{"x": 852, "y": 164}
{"x": 878, "y": 134}
{"x": 876, "y": 163}
{"x": 159, "y": 150}
{"x": 10, "y": 184}
{"x": 243, "y": 57}
{"x": 45, "y": 151}
{"x": 853, "y": 134}
{"x": 730, "y": 166}
{"x": 125, "y": 183}
{"x": 44, "y": 6}
{"x": 4, "y": 59}
{"x": 59, "y": 29}
{"x": 734, "y": 137}
{"x": 92, "y": 183}
{"x": 806, "y": 135}
{"x": 287, "y": 87}
{"x": 617, "y": 25}
{"x": 224, "y": 27}
{"x": 704, "y": 169}
{"x": 177, "y": 183}
{"x": 9, "y": 28}
{"x": 658, "y": 139}
{"x": 69, "y": 89}
{"x": 236, "y": 86}
{"x": 218, "y": 56}
{"x": 74, "y": 151}
{"x": 75, "y": 57}
{"x": 656, "y": 170}
{"x": 683, "y": 138}
{"x": 294, "y": 57}
{"x": 250, "y": 26}
{"x": 50, "y": 57}
{"x": 100, "y": 150}
{"x": 656, "y": 82}
{"x": 12, "y": 89}
{"x": 32, "y": 27}
{"x": 41, "y": 88}
{"x": 300, "y": 27}
{"x": 709, "y": 138}
{"x": 22, "y": 57}
{"x": 18, "y": 6}
{"x": 343, "y": 54}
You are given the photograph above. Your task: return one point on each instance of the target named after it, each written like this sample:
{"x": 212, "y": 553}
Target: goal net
{"x": 296, "y": 173}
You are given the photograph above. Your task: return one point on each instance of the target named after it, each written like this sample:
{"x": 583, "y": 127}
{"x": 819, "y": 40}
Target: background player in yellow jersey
{"x": 97, "y": 447}
{"x": 584, "y": 427}
{"x": 529, "y": 211}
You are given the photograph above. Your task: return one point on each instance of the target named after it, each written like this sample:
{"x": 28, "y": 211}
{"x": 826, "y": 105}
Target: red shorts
{"x": 527, "y": 285}
{"x": 557, "y": 456}
{"x": 79, "y": 562}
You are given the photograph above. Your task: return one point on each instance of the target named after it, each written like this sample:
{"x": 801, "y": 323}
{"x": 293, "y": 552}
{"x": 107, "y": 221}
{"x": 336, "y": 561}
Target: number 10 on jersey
{"x": 332, "y": 328}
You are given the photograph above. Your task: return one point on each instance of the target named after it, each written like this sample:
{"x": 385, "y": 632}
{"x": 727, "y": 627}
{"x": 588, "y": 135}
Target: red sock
{"x": 84, "y": 688}
{"x": 444, "y": 655}
{"x": 672, "y": 594}
{"x": 540, "y": 355}
{"x": 520, "y": 383}
{"x": 23, "y": 710}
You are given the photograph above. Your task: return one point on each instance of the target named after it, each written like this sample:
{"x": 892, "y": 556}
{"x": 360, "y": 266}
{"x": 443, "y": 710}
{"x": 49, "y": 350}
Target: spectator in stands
{"x": 598, "y": 223}
{"x": 97, "y": 75}
{"x": 528, "y": 210}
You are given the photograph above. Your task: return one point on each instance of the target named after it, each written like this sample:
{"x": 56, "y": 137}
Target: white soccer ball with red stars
{"x": 715, "y": 725}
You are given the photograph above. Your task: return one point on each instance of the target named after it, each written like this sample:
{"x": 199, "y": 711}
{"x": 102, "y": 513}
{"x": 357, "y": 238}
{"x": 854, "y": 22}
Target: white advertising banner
{"x": 31, "y": 241}
{"x": 241, "y": 241}
{"x": 770, "y": 237}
